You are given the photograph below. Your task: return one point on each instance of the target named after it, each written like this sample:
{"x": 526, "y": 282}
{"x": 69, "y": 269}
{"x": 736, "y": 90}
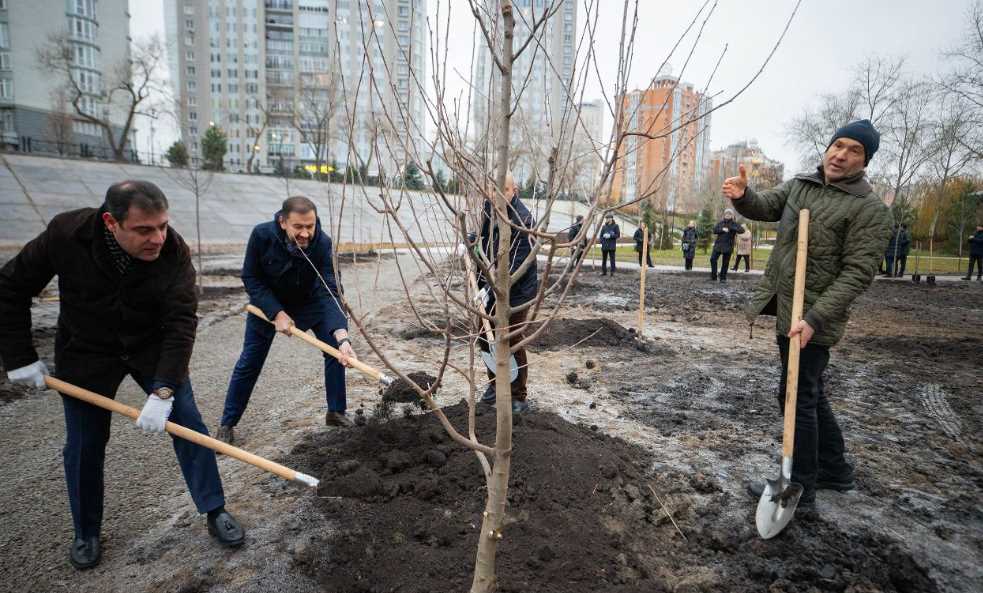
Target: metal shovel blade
{"x": 776, "y": 507}
{"x": 489, "y": 358}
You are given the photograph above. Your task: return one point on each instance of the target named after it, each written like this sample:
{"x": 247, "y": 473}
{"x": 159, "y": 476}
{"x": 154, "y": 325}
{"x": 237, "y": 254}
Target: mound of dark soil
{"x": 597, "y": 332}
{"x": 939, "y": 349}
{"x": 407, "y": 502}
{"x": 402, "y": 391}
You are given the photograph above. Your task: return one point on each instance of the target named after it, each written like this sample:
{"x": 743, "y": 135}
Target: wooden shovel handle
{"x": 798, "y": 297}
{"x": 182, "y": 432}
{"x": 356, "y": 364}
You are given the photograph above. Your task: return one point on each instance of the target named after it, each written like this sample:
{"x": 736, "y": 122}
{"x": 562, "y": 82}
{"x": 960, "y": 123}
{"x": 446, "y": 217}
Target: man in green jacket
{"x": 849, "y": 227}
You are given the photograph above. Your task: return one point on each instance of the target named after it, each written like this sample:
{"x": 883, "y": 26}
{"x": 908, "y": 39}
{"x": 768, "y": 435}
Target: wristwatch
{"x": 343, "y": 340}
{"x": 164, "y": 392}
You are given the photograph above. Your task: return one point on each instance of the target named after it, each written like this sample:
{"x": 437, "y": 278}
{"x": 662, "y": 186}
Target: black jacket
{"x": 899, "y": 245}
{"x": 144, "y": 320}
{"x": 726, "y": 231}
{"x": 525, "y": 287}
{"x": 278, "y": 278}
{"x": 976, "y": 244}
{"x": 574, "y": 231}
{"x": 610, "y": 233}
{"x": 689, "y": 242}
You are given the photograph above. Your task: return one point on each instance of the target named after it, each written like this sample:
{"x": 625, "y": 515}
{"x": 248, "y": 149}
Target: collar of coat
{"x": 855, "y": 185}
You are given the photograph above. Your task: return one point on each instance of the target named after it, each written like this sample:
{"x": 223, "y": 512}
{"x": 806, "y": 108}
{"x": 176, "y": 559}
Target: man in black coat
{"x": 128, "y": 307}
{"x": 288, "y": 273}
{"x": 610, "y": 233}
{"x": 522, "y": 290}
{"x": 639, "y": 237}
{"x": 976, "y": 255}
{"x": 577, "y": 250}
{"x": 688, "y": 244}
{"x": 903, "y": 251}
{"x": 726, "y": 231}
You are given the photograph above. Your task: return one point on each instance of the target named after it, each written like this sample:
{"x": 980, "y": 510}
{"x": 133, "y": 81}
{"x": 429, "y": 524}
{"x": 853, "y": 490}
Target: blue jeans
{"x": 255, "y": 347}
{"x": 87, "y": 432}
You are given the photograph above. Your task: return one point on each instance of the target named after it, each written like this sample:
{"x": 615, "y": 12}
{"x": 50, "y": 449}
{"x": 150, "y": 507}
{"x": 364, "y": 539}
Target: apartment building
{"x": 35, "y": 110}
{"x": 667, "y": 165}
{"x": 290, "y": 81}
{"x": 763, "y": 172}
{"x": 542, "y": 76}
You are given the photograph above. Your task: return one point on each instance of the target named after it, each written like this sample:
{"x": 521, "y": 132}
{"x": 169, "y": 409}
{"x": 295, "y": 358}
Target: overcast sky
{"x": 827, "y": 39}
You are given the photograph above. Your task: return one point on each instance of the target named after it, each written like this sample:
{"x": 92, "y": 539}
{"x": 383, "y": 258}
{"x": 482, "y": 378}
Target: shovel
{"x": 180, "y": 431}
{"x": 781, "y": 496}
{"x": 365, "y": 369}
{"x": 489, "y": 357}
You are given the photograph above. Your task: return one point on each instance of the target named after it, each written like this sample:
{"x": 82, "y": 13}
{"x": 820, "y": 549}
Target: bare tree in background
{"x": 60, "y": 124}
{"x": 951, "y": 152}
{"x": 315, "y": 108}
{"x": 256, "y": 133}
{"x": 126, "y": 90}
{"x": 197, "y": 181}
{"x": 481, "y": 165}
{"x": 966, "y": 80}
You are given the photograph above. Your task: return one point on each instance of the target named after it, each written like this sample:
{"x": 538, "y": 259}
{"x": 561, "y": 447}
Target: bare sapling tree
{"x": 111, "y": 101}
{"x": 315, "y": 107}
{"x": 196, "y": 180}
{"x": 966, "y": 78}
{"x": 482, "y": 221}
{"x": 951, "y": 152}
{"x": 60, "y": 125}
{"x": 255, "y": 130}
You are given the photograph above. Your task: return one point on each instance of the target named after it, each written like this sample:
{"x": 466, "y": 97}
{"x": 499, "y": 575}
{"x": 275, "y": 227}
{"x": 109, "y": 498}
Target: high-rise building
{"x": 36, "y": 114}
{"x": 289, "y": 80}
{"x": 667, "y": 166}
{"x": 762, "y": 172}
{"x": 586, "y": 158}
{"x": 541, "y": 83}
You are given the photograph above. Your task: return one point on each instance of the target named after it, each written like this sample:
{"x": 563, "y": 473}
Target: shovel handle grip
{"x": 356, "y": 364}
{"x": 182, "y": 432}
{"x": 798, "y": 298}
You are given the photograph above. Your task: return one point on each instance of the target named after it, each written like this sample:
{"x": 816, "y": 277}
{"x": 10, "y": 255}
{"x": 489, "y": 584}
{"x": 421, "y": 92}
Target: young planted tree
{"x": 109, "y": 100}
{"x": 479, "y": 165}
{"x": 177, "y": 155}
{"x": 316, "y": 105}
{"x": 213, "y": 147}
{"x": 193, "y": 178}
{"x": 60, "y": 123}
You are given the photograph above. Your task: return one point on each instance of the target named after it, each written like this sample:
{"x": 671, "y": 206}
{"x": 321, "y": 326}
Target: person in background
{"x": 905, "y": 249}
{"x": 976, "y": 254}
{"x": 610, "y": 233}
{"x": 892, "y": 252}
{"x": 639, "y": 237}
{"x": 744, "y": 250}
{"x": 726, "y": 231}
{"x": 689, "y": 244}
{"x": 576, "y": 251}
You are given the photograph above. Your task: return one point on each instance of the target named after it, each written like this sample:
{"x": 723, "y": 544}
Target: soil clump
{"x": 583, "y": 516}
{"x": 402, "y": 391}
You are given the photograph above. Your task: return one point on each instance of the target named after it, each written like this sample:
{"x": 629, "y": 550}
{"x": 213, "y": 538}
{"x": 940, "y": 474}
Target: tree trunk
{"x": 498, "y": 484}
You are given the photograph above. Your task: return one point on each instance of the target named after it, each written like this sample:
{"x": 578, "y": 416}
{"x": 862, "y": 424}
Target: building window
{"x": 4, "y": 61}
{"x": 4, "y": 36}
{"x": 6, "y": 88}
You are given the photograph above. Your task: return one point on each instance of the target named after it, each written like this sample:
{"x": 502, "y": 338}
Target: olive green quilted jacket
{"x": 849, "y": 228}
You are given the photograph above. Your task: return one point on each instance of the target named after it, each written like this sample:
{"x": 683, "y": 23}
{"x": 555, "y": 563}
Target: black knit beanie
{"x": 863, "y": 132}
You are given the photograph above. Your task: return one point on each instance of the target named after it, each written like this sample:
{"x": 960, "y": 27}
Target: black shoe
{"x": 226, "y": 434}
{"x": 226, "y": 529}
{"x": 965, "y": 278}
{"x": 841, "y": 484}
{"x": 337, "y": 419}
{"x": 519, "y": 407}
{"x": 488, "y": 397}
{"x": 713, "y": 278}
{"x": 85, "y": 552}
{"x": 723, "y": 280}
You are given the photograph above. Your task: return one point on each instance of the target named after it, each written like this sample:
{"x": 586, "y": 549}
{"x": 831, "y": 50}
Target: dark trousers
{"x": 889, "y": 265}
{"x": 87, "y": 432}
{"x": 902, "y": 262}
{"x": 819, "y": 446}
{"x": 747, "y": 262}
{"x": 978, "y": 261}
{"x": 648, "y": 259}
{"x": 688, "y": 260}
{"x": 255, "y": 347}
{"x": 605, "y": 254}
{"x": 723, "y": 268}
{"x": 516, "y": 321}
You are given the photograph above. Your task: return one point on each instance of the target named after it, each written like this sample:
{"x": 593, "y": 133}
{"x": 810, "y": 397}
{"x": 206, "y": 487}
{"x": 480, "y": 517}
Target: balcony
{"x": 280, "y": 5}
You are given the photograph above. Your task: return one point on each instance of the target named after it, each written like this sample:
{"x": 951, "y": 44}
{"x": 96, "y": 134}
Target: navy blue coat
{"x": 278, "y": 280}
{"x": 976, "y": 244}
{"x": 689, "y": 242}
{"x": 613, "y": 233}
{"x": 525, "y": 287}
{"x": 726, "y": 231}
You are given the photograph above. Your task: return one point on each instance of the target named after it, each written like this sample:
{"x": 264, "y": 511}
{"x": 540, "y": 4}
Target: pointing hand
{"x": 734, "y": 186}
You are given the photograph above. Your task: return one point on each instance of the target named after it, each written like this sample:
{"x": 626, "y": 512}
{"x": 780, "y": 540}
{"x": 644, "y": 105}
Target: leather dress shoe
{"x": 337, "y": 419}
{"x": 226, "y": 530}
{"x": 85, "y": 552}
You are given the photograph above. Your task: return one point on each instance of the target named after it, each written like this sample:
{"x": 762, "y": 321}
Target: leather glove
{"x": 33, "y": 375}
{"x": 155, "y": 413}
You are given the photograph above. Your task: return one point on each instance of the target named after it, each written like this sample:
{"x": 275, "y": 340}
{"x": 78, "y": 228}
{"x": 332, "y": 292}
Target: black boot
{"x": 85, "y": 552}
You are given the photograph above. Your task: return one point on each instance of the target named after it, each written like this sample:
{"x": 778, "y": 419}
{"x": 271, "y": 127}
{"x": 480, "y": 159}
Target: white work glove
{"x": 155, "y": 413}
{"x": 33, "y": 375}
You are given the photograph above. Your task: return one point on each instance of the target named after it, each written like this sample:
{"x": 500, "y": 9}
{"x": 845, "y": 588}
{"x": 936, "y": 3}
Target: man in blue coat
{"x": 289, "y": 275}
